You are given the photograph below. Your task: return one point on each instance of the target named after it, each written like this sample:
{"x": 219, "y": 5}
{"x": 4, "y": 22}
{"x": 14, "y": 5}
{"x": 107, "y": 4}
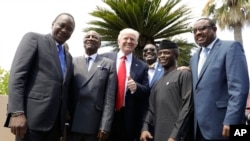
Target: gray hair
{"x": 131, "y": 31}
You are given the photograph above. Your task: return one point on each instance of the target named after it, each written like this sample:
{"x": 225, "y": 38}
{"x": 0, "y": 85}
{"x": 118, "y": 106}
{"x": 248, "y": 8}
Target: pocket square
{"x": 102, "y": 68}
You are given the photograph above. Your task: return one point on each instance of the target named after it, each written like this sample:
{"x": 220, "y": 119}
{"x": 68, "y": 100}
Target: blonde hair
{"x": 130, "y": 31}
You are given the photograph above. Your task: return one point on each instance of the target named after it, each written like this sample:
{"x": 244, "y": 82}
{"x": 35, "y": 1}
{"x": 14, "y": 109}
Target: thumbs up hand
{"x": 131, "y": 85}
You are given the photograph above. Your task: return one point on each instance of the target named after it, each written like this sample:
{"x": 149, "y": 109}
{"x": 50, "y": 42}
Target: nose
{"x": 160, "y": 55}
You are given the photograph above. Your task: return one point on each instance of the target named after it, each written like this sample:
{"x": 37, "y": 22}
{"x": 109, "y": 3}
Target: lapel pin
{"x": 167, "y": 83}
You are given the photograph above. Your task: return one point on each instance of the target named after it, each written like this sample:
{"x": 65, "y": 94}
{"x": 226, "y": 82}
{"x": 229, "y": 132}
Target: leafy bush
{"x": 4, "y": 78}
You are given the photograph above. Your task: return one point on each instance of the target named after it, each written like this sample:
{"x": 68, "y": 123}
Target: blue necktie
{"x": 61, "y": 57}
{"x": 88, "y": 62}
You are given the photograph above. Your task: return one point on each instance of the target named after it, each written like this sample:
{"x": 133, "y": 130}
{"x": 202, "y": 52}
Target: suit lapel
{"x": 158, "y": 73}
{"x": 209, "y": 59}
{"x": 53, "y": 52}
{"x": 68, "y": 65}
{"x": 134, "y": 68}
{"x": 94, "y": 68}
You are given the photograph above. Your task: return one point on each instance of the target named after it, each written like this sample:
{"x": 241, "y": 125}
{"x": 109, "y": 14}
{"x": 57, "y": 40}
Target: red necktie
{"x": 121, "y": 83}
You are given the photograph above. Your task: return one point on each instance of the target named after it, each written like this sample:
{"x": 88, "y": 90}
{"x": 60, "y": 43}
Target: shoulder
{"x": 105, "y": 59}
{"x": 229, "y": 43}
{"x": 108, "y": 54}
{"x": 139, "y": 62}
{"x": 184, "y": 73}
{"x": 32, "y": 35}
{"x": 78, "y": 58}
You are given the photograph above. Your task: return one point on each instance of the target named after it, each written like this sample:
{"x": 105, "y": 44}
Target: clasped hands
{"x": 102, "y": 135}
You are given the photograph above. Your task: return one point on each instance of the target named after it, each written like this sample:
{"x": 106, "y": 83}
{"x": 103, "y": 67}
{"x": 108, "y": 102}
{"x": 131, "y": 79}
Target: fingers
{"x": 18, "y": 126}
{"x": 102, "y": 135}
{"x": 131, "y": 84}
{"x": 145, "y": 135}
{"x": 226, "y": 131}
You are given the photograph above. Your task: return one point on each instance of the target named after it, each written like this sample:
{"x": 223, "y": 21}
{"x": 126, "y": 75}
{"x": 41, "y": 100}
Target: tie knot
{"x": 124, "y": 57}
{"x": 59, "y": 47}
{"x": 88, "y": 58}
{"x": 206, "y": 50}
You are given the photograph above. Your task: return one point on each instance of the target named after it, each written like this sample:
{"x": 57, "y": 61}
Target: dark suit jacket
{"x": 36, "y": 84}
{"x": 93, "y": 95}
{"x": 135, "y": 103}
{"x": 221, "y": 90}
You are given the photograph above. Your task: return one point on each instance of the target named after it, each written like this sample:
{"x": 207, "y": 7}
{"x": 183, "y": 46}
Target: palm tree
{"x": 151, "y": 19}
{"x": 232, "y": 15}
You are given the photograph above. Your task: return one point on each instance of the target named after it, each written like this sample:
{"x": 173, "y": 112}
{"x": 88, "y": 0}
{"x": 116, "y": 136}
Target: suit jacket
{"x": 159, "y": 71}
{"x": 221, "y": 89}
{"x": 36, "y": 84}
{"x": 93, "y": 95}
{"x": 135, "y": 103}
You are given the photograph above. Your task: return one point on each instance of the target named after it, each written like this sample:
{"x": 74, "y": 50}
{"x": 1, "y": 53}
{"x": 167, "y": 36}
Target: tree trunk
{"x": 238, "y": 33}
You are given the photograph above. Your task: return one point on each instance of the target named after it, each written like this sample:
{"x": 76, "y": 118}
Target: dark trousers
{"x": 81, "y": 137}
{"x": 200, "y": 137}
{"x": 53, "y": 135}
{"x": 120, "y": 131}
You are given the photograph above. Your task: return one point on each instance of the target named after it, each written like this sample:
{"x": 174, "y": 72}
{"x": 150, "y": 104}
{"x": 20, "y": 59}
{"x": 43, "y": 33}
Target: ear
{"x": 215, "y": 28}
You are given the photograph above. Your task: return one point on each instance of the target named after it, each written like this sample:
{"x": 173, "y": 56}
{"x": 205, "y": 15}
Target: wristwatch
{"x": 16, "y": 114}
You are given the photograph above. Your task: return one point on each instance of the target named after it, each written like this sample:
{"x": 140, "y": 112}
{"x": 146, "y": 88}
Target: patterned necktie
{"x": 121, "y": 83}
{"x": 88, "y": 62}
{"x": 61, "y": 57}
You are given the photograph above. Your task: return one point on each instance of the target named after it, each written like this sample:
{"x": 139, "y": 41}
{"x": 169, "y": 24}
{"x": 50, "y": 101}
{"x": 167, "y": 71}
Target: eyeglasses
{"x": 150, "y": 49}
{"x": 201, "y": 28}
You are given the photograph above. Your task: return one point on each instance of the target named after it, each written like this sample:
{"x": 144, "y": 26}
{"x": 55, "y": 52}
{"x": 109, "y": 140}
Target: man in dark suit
{"x": 93, "y": 93}
{"x": 220, "y": 85}
{"x": 38, "y": 84}
{"x": 128, "y": 117}
{"x": 155, "y": 70}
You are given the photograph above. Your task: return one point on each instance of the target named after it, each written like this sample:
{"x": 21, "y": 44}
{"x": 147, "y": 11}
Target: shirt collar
{"x": 93, "y": 56}
{"x": 211, "y": 45}
{"x": 129, "y": 56}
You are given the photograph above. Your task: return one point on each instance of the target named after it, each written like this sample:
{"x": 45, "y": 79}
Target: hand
{"x": 226, "y": 131}
{"x": 171, "y": 139}
{"x": 18, "y": 125}
{"x": 131, "y": 85}
{"x": 145, "y": 135}
{"x": 183, "y": 68}
{"x": 102, "y": 135}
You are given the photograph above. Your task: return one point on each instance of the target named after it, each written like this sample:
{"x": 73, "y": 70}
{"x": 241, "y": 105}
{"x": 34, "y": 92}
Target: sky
{"x": 22, "y": 16}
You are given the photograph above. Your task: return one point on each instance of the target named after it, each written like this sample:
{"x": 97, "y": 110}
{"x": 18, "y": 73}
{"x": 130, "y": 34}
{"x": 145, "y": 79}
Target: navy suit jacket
{"x": 36, "y": 84}
{"x": 221, "y": 90}
{"x": 159, "y": 71}
{"x": 135, "y": 103}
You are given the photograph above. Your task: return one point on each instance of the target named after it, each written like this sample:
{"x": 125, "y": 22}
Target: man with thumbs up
{"x": 133, "y": 88}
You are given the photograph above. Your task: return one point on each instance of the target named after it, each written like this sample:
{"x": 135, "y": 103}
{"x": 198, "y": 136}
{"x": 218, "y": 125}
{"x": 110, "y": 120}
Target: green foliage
{"x": 4, "y": 78}
{"x": 153, "y": 20}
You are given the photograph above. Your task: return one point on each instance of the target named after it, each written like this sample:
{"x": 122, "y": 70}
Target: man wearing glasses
{"x": 220, "y": 83}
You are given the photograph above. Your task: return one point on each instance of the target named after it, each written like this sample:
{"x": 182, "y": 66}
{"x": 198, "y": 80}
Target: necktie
{"x": 203, "y": 57}
{"x": 88, "y": 62}
{"x": 61, "y": 57}
{"x": 121, "y": 83}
